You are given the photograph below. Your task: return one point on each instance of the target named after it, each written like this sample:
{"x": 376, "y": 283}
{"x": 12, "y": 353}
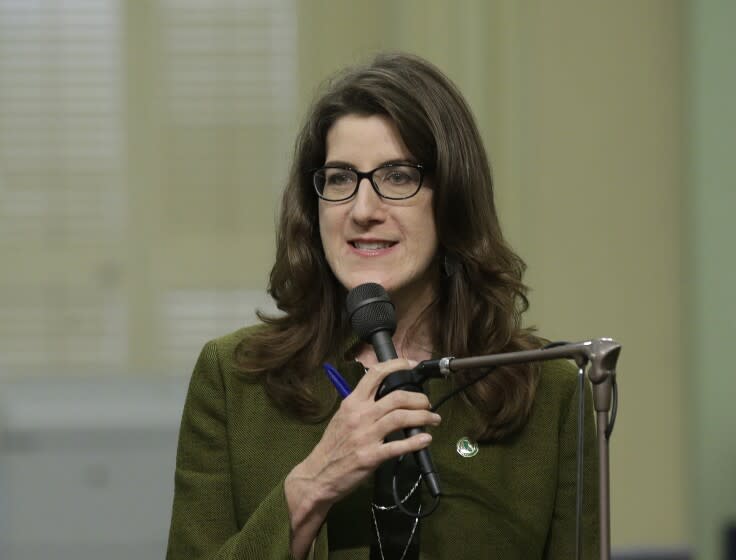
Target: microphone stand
{"x": 601, "y": 354}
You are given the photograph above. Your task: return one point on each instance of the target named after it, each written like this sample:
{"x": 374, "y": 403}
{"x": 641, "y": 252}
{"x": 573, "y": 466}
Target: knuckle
{"x": 363, "y": 458}
{"x": 346, "y": 406}
{"x": 376, "y": 369}
{"x": 393, "y": 400}
{"x": 353, "y": 421}
{"x": 416, "y": 400}
{"x": 402, "y": 398}
{"x": 348, "y": 415}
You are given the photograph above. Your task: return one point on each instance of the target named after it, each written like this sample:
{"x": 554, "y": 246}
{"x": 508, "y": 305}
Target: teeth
{"x": 372, "y": 245}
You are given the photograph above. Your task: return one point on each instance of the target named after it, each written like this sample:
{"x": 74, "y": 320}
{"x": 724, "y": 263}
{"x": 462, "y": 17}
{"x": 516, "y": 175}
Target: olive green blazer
{"x": 513, "y": 500}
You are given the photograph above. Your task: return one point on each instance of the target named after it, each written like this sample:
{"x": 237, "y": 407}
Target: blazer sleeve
{"x": 203, "y": 522}
{"x": 561, "y": 542}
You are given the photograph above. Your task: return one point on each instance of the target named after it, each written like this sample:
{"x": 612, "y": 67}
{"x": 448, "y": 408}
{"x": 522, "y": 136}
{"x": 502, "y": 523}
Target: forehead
{"x": 365, "y": 140}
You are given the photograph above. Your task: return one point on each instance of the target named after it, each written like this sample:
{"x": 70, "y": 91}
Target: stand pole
{"x": 604, "y": 502}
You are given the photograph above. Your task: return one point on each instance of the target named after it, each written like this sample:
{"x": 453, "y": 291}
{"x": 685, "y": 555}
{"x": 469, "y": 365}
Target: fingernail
{"x": 436, "y": 417}
{"x": 412, "y": 363}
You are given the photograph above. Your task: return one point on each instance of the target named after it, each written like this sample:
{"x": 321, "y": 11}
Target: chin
{"x": 369, "y": 278}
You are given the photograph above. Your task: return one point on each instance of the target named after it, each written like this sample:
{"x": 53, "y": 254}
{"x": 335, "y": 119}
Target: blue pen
{"x": 343, "y": 389}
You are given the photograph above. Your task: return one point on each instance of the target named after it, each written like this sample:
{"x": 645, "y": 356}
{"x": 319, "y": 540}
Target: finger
{"x": 404, "y": 419}
{"x": 402, "y": 399}
{"x": 405, "y": 446}
{"x": 368, "y": 385}
{"x": 355, "y": 413}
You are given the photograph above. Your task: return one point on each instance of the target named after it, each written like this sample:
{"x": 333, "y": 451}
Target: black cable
{"x": 554, "y": 344}
{"x": 460, "y": 389}
{"x": 417, "y": 514}
{"x": 614, "y": 408}
{"x": 397, "y": 499}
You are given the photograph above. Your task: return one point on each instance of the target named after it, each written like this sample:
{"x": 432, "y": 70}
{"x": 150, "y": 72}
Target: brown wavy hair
{"x": 480, "y": 301}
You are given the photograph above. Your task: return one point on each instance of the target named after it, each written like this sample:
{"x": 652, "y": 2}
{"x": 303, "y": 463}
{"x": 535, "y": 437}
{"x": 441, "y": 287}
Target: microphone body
{"x": 372, "y": 316}
{"x": 383, "y": 346}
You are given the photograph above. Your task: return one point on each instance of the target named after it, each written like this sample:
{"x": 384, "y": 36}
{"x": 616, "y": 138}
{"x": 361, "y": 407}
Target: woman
{"x": 389, "y": 184}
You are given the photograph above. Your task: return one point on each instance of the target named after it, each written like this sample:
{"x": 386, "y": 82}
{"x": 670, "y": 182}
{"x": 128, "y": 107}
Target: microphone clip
{"x": 413, "y": 379}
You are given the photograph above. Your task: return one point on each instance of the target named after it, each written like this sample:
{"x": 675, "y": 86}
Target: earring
{"x": 449, "y": 265}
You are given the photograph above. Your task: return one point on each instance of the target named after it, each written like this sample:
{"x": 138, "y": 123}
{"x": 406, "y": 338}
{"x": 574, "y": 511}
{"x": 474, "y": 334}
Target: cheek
{"x": 424, "y": 226}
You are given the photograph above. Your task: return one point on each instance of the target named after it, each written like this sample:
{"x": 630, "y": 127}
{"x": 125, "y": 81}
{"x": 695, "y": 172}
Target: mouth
{"x": 371, "y": 245}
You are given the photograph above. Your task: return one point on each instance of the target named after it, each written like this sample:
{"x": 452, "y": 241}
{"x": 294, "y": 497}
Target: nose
{"x": 367, "y": 205}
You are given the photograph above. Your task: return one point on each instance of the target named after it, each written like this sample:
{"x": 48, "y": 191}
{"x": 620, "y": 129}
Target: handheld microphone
{"x": 374, "y": 321}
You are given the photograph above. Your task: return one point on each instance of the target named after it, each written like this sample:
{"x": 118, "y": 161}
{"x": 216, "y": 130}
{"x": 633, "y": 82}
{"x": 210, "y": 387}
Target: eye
{"x": 339, "y": 177}
{"x": 399, "y": 176}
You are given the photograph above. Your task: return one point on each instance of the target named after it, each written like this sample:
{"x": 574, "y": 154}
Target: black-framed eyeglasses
{"x": 394, "y": 181}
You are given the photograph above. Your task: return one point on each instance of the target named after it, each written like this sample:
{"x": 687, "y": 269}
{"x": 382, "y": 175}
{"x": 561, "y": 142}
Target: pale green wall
{"x": 710, "y": 270}
{"x": 599, "y": 174}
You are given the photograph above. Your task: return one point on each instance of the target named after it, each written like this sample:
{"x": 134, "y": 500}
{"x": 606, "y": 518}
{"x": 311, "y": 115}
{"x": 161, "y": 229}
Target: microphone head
{"x": 370, "y": 310}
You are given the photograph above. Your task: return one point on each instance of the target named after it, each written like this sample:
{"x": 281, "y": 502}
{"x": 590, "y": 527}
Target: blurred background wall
{"x": 143, "y": 146}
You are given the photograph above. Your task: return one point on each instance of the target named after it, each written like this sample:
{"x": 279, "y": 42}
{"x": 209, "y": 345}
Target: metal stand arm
{"x": 602, "y": 355}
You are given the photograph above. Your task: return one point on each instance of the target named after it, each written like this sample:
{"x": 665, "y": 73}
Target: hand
{"x": 352, "y": 447}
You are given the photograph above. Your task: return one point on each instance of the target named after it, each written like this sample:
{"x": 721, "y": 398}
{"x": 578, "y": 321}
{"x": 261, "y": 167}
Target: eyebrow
{"x": 340, "y": 163}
